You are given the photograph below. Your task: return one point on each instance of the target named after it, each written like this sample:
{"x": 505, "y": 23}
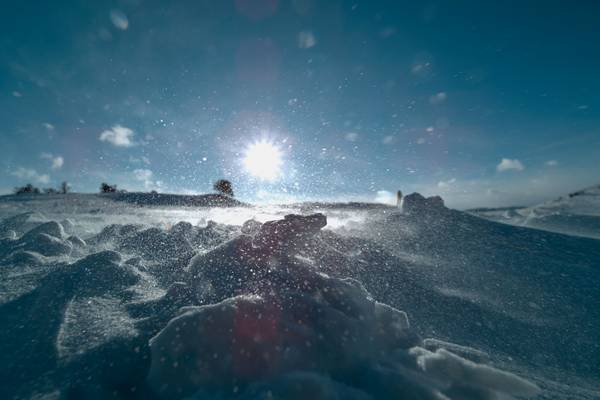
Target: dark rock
{"x": 415, "y": 202}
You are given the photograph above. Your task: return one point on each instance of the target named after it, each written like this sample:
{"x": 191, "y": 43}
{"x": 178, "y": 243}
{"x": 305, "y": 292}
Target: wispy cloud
{"x": 446, "y": 184}
{"x": 306, "y": 40}
{"x": 507, "y": 164}
{"x": 146, "y": 176}
{"x": 438, "y": 98}
{"x": 31, "y": 175}
{"x": 119, "y": 136}
{"x": 351, "y": 136}
{"x": 551, "y": 163}
{"x": 388, "y": 139}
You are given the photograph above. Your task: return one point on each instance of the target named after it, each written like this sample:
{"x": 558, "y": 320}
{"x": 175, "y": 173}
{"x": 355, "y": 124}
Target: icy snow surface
{"x": 105, "y": 299}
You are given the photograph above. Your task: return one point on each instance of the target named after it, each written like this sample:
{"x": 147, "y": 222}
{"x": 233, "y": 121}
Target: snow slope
{"x": 104, "y": 299}
{"x": 577, "y": 213}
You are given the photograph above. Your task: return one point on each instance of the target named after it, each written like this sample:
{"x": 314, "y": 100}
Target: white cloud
{"x": 438, "y": 98}
{"x": 351, "y": 137}
{"x": 507, "y": 164}
{"x": 551, "y": 163}
{"x": 48, "y": 126}
{"x": 119, "y": 19}
{"x": 306, "y": 40}
{"x": 119, "y": 136}
{"x": 421, "y": 68}
{"x": 31, "y": 174}
{"x": 56, "y": 162}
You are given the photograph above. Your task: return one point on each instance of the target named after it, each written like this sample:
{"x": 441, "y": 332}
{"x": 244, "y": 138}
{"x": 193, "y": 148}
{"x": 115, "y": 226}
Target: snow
{"x": 456, "y": 371}
{"x": 577, "y": 213}
{"x": 103, "y": 298}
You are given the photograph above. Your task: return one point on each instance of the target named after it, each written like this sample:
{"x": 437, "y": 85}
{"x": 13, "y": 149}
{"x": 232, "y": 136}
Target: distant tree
{"x": 64, "y": 187}
{"x": 50, "y": 191}
{"x": 106, "y": 188}
{"x": 223, "y": 186}
{"x": 27, "y": 189}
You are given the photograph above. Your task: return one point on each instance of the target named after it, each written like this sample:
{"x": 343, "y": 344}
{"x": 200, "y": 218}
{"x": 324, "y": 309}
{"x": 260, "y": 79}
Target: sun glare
{"x": 263, "y": 160}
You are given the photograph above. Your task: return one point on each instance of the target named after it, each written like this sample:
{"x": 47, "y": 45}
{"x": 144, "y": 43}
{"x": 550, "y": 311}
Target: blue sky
{"x": 484, "y": 103}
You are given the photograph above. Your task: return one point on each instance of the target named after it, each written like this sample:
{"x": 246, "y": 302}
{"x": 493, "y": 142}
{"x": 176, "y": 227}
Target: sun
{"x": 263, "y": 160}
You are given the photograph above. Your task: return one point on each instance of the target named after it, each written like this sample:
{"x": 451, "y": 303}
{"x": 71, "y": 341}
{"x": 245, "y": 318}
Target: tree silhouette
{"x": 64, "y": 188}
{"x": 223, "y": 186}
{"x": 27, "y": 189}
{"x": 106, "y": 188}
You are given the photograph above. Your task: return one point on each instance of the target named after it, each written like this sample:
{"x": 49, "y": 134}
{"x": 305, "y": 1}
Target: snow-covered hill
{"x": 105, "y": 299}
{"x": 577, "y": 213}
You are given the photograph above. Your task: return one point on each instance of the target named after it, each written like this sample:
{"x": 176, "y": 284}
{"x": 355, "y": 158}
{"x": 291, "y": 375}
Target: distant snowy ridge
{"x": 140, "y": 198}
{"x": 577, "y": 213}
{"x": 581, "y": 202}
{"x": 177, "y": 200}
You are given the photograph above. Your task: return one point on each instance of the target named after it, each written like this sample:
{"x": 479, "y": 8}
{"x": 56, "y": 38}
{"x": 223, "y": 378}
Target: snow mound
{"x": 270, "y": 316}
{"x": 47, "y": 239}
{"x": 331, "y": 330}
{"x": 21, "y": 222}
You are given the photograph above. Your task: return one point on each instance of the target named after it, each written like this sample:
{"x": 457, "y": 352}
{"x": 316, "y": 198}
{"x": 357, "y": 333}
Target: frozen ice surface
{"x": 102, "y": 299}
